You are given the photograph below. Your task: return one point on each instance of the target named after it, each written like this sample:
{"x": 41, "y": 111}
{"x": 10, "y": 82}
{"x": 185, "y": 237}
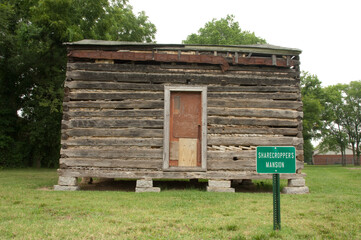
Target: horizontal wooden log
{"x": 252, "y": 130}
{"x": 115, "y": 95}
{"x": 169, "y": 56}
{"x": 169, "y": 68}
{"x": 123, "y": 132}
{"x": 254, "y": 141}
{"x": 113, "y": 163}
{"x": 279, "y": 62}
{"x": 253, "y": 103}
{"x": 139, "y": 174}
{"x": 134, "y": 77}
{"x": 113, "y": 86}
{"x": 243, "y": 81}
{"x": 137, "y": 77}
{"x": 160, "y": 95}
{"x": 249, "y": 112}
{"x": 252, "y": 121}
{"x": 117, "y": 113}
{"x": 125, "y": 104}
{"x": 121, "y": 153}
{"x": 114, "y": 142}
{"x": 101, "y": 123}
{"x": 237, "y": 88}
{"x": 160, "y": 87}
{"x": 244, "y": 165}
{"x": 240, "y": 155}
{"x": 245, "y": 95}
{"x": 158, "y": 57}
{"x": 158, "y": 123}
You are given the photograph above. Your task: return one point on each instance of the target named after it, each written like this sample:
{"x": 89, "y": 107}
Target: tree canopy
{"x": 33, "y": 63}
{"x": 223, "y": 31}
{"x": 339, "y": 124}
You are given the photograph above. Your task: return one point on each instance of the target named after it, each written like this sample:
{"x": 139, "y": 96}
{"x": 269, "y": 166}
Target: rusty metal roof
{"x": 257, "y": 48}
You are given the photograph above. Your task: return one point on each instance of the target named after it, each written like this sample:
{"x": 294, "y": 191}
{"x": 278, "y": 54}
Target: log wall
{"x": 113, "y": 114}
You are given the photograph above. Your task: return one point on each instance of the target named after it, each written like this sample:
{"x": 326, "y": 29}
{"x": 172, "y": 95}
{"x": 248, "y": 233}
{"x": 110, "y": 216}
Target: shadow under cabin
{"x": 149, "y": 111}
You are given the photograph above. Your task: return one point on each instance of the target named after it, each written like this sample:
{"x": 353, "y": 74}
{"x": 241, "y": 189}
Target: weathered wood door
{"x": 185, "y": 129}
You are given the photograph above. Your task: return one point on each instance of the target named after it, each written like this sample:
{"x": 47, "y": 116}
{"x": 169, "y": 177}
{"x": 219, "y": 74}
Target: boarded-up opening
{"x": 185, "y": 134}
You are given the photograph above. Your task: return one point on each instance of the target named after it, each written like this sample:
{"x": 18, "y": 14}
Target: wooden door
{"x": 185, "y": 129}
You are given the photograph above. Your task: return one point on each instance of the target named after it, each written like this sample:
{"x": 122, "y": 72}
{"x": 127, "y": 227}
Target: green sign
{"x": 276, "y": 159}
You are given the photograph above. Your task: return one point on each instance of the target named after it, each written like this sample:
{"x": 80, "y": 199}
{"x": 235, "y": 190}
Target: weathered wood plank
{"x": 244, "y": 165}
{"x": 134, "y": 77}
{"x": 252, "y": 130}
{"x": 114, "y": 142}
{"x": 160, "y": 57}
{"x": 245, "y": 95}
{"x": 250, "y": 112}
{"x": 252, "y": 121}
{"x": 125, "y": 104}
{"x": 242, "y": 80}
{"x": 113, "y": 86}
{"x": 117, "y": 113}
{"x": 214, "y": 155}
{"x": 137, "y": 77}
{"x": 125, "y": 132}
{"x": 169, "y": 68}
{"x": 237, "y": 88}
{"x": 160, "y": 87}
{"x": 115, "y": 95}
{"x": 254, "y": 103}
{"x": 121, "y": 153}
{"x": 138, "y": 174}
{"x": 116, "y": 123}
{"x": 113, "y": 163}
{"x": 254, "y": 141}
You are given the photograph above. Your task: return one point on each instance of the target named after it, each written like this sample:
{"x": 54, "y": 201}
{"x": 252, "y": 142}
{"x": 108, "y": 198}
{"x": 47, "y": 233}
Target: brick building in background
{"x": 331, "y": 157}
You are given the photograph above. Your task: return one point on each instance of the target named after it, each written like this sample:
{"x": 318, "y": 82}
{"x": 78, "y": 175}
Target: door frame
{"x": 167, "y": 93}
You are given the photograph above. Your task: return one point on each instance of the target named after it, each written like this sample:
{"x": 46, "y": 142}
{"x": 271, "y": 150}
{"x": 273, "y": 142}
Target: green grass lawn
{"x": 29, "y": 211}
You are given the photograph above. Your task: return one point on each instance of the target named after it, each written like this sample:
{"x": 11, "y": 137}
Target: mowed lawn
{"x": 30, "y": 210}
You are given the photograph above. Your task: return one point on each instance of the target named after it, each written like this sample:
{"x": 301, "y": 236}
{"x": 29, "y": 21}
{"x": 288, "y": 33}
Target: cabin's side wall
{"x": 113, "y": 115}
{"x": 255, "y": 107}
{"x": 113, "y": 118}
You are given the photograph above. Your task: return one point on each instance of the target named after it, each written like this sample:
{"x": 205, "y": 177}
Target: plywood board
{"x": 187, "y": 152}
{"x": 174, "y": 150}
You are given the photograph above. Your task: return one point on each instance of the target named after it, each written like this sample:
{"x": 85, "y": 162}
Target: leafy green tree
{"x": 312, "y": 94}
{"x": 33, "y": 63}
{"x": 342, "y": 119}
{"x": 334, "y": 135}
{"x": 352, "y": 117}
{"x": 223, "y": 31}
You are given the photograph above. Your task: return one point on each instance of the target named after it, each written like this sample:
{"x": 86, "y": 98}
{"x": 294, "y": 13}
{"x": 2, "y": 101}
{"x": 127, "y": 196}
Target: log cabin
{"x": 149, "y": 111}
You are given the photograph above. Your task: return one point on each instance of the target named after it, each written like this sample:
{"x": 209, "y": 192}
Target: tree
{"x": 312, "y": 94}
{"x": 334, "y": 135}
{"x": 352, "y": 117}
{"x": 342, "y": 119}
{"x": 33, "y": 63}
{"x": 223, "y": 31}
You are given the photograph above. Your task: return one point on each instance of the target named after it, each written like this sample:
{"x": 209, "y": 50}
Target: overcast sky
{"x": 327, "y": 32}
